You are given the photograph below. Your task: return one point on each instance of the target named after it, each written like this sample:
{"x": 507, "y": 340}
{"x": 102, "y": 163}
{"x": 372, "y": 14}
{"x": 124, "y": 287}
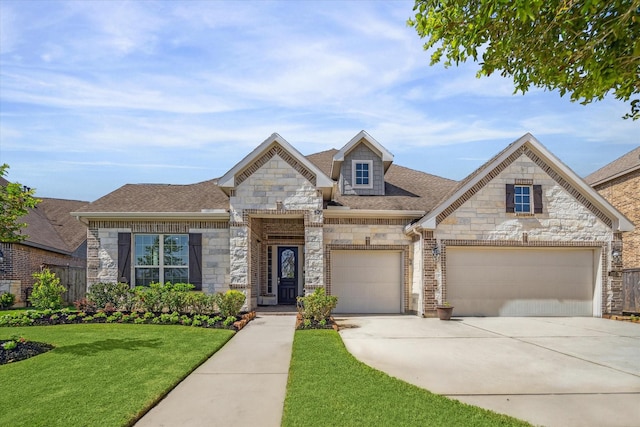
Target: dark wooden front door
{"x": 287, "y": 274}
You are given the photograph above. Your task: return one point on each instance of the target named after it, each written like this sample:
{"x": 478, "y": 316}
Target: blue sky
{"x": 94, "y": 95}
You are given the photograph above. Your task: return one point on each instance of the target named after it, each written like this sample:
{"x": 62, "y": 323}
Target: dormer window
{"x": 362, "y": 170}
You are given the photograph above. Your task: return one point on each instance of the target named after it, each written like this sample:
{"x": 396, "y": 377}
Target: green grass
{"x": 329, "y": 387}
{"x": 99, "y": 374}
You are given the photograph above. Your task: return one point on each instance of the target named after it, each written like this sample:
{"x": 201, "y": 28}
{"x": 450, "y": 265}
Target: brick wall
{"x": 21, "y": 261}
{"x": 624, "y": 194}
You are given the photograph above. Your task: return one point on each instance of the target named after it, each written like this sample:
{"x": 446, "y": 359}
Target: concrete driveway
{"x": 548, "y": 371}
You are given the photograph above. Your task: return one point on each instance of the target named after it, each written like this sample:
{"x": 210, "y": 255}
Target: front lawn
{"x": 329, "y": 387}
{"x": 99, "y": 374}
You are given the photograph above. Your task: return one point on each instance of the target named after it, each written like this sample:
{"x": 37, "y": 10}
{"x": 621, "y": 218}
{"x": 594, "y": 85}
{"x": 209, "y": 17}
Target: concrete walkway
{"x": 242, "y": 384}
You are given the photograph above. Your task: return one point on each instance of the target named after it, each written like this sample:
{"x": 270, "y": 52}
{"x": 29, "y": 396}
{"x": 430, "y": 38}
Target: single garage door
{"x": 367, "y": 281}
{"x": 521, "y": 281}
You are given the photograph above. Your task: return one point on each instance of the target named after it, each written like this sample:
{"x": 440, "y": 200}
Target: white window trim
{"x": 353, "y": 174}
{"x": 162, "y": 266}
{"x": 530, "y": 211}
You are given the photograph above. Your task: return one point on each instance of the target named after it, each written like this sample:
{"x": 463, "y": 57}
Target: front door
{"x": 287, "y": 274}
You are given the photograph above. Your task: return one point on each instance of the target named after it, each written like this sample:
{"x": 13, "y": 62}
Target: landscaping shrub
{"x": 6, "y": 300}
{"x": 120, "y": 295}
{"x": 230, "y": 303}
{"x": 47, "y": 291}
{"x": 316, "y": 306}
{"x": 200, "y": 303}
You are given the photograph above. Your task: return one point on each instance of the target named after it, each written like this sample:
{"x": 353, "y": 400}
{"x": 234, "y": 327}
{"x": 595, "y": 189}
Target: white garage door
{"x": 367, "y": 281}
{"x": 521, "y": 281}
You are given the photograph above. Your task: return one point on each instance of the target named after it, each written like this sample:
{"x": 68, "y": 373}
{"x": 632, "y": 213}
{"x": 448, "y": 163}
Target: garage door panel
{"x": 520, "y": 282}
{"x": 367, "y": 281}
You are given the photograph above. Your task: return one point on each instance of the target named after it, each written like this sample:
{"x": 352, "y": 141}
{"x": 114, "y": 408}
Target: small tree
{"x": 15, "y": 201}
{"x": 47, "y": 291}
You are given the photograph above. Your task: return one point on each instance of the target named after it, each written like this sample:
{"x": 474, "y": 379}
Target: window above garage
{"x": 524, "y": 198}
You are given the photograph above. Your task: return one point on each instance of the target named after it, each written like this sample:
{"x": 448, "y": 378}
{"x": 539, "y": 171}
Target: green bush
{"x": 6, "y": 300}
{"x": 200, "y": 303}
{"x": 230, "y": 303}
{"x": 47, "y": 291}
{"x": 120, "y": 295}
{"x": 317, "y": 306}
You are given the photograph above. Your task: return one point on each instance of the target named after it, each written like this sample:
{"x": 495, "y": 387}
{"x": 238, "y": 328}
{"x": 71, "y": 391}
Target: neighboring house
{"x": 619, "y": 183}
{"x": 56, "y": 240}
{"x": 522, "y": 235}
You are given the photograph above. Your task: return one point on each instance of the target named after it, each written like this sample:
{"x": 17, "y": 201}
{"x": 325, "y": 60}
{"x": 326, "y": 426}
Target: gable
{"x": 362, "y": 153}
{"x": 548, "y": 165}
{"x": 361, "y": 138}
{"x": 274, "y": 146}
{"x": 485, "y": 215}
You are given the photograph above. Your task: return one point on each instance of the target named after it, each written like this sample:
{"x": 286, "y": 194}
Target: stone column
{"x": 313, "y": 251}
{"x": 239, "y": 259}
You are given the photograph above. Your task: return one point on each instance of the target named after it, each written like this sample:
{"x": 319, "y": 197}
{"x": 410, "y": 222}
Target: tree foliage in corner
{"x": 15, "y": 202}
{"x": 582, "y": 47}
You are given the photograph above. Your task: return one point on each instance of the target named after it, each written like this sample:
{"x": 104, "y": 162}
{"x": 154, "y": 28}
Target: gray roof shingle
{"x": 622, "y": 165}
{"x": 406, "y": 189}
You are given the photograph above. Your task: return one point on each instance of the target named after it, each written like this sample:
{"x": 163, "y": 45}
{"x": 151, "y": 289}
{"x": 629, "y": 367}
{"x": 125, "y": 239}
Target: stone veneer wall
{"x": 565, "y": 221}
{"x": 624, "y": 193}
{"x": 275, "y": 189}
{"x": 483, "y": 216}
{"x": 102, "y": 252}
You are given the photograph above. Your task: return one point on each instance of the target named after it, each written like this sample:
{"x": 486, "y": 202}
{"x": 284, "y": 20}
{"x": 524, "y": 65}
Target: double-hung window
{"x": 524, "y": 198}
{"x": 161, "y": 258}
{"x": 362, "y": 170}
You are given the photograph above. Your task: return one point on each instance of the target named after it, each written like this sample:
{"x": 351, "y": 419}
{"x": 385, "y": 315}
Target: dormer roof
{"x": 361, "y": 138}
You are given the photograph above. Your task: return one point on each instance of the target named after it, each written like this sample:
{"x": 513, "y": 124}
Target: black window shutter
{"x": 537, "y": 199}
{"x": 510, "y": 202}
{"x": 124, "y": 257}
{"x": 195, "y": 260}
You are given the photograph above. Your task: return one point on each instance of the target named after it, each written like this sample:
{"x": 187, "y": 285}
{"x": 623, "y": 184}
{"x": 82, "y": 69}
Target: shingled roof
{"x": 161, "y": 198}
{"x": 51, "y": 227}
{"x": 406, "y": 189}
{"x": 621, "y": 166}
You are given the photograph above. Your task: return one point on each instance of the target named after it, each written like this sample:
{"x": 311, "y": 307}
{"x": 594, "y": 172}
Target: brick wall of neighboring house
{"x": 624, "y": 193}
{"x": 21, "y": 261}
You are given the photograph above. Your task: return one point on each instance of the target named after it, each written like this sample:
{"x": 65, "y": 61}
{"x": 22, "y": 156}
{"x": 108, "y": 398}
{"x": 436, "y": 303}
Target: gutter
{"x": 214, "y": 214}
{"x": 340, "y": 212}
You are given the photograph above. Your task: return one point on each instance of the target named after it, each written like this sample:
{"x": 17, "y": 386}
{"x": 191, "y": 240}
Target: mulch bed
{"x": 330, "y": 324}
{"x": 23, "y": 350}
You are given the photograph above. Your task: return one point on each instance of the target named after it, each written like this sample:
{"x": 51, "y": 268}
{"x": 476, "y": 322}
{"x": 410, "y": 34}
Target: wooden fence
{"x": 72, "y": 278}
{"x": 631, "y": 290}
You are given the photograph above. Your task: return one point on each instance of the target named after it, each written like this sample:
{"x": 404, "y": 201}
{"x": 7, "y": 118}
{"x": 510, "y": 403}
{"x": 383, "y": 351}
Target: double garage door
{"x": 367, "y": 281}
{"x": 521, "y": 281}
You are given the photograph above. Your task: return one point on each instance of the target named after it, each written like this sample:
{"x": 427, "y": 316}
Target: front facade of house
{"x": 522, "y": 235}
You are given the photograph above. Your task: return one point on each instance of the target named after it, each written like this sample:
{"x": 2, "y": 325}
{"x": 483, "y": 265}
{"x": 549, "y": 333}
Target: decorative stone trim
{"x": 367, "y": 221}
{"x": 544, "y": 166}
{"x": 405, "y": 249}
{"x": 275, "y": 149}
{"x": 159, "y": 227}
{"x": 570, "y": 189}
{"x": 522, "y": 181}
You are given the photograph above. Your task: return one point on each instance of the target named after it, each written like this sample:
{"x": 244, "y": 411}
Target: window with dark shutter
{"x": 124, "y": 257}
{"x": 510, "y": 197}
{"x": 195, "y": 260}
{"x": 537, "y": 199}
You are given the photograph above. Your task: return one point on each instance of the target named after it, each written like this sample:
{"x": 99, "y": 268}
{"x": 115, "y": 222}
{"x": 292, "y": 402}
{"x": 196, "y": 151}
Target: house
{"x": 619, "y": 183}
{"x": 55, "y": 240}
{"x": 522, "y": 235}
